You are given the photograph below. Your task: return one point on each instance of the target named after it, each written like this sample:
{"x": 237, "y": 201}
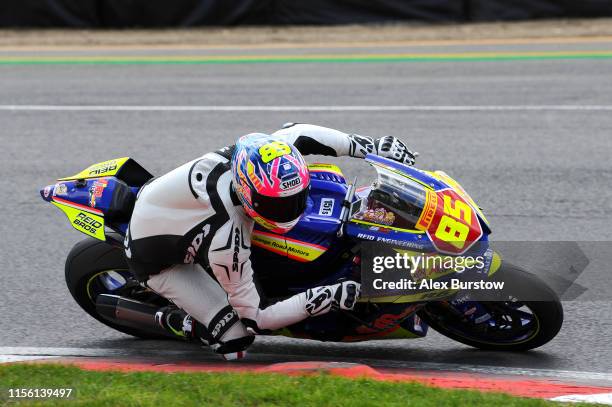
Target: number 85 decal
{"x": 455, "y": 227}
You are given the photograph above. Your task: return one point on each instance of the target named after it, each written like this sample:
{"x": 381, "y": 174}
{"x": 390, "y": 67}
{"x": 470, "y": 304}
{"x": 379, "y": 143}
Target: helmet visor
{"x": 280, "y": 209}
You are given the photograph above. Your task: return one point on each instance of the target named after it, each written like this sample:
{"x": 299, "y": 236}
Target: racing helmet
{"x": 271, "y": 180}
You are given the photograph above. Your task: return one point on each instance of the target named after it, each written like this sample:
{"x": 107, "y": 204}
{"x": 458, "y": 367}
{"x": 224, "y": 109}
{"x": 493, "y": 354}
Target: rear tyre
{"x": 516, "y": 326}
{"x": 86, "y": 264}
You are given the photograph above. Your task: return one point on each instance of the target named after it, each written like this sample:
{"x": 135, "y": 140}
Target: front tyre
{"x": 514, "y": 324}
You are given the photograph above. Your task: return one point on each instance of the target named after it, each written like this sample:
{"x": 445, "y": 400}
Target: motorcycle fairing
{"x": 449, "y": 217}
{"x": 103, "y": 169}
{"x": 84, "y": 219}
{"x": 451, "y": 182}
{"x": 103, "y": 194}
{"x": 451, "y": 214}
{"x": 108, "y": 198}
{"x": 125, "y": 169}
{"x": 435, "y": 180}
{"x": 390, "y": 321}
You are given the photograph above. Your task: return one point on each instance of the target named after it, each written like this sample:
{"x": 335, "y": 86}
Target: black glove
{"x": 394, "y": 149}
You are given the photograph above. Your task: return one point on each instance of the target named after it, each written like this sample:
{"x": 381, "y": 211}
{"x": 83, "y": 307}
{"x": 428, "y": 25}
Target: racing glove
{"x": 395, "y": 149}
{"x": 344, "y": 295}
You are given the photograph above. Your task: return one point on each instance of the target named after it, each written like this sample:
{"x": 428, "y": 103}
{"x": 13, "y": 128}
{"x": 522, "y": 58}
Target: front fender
{"x": 496, "y": 262}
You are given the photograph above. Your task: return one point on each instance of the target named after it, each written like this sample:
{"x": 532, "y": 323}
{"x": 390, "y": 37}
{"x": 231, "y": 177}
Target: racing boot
{"x": 175, "y": 321}
{"x": 182, "y": 325}
{"x": 225, "y": 334}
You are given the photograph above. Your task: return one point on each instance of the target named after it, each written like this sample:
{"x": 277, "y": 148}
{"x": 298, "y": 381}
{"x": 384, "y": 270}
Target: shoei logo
{"x": 291, "y": 183}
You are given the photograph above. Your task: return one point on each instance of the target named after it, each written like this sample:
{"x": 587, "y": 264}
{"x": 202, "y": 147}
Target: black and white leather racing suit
{"x": 190, "y": 239}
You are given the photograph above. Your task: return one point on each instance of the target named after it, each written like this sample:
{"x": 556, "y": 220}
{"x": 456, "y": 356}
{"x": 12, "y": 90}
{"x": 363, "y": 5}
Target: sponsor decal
{"x": 47, "y": 191}
{"x": 455, "y": 226}
{"x": 85, "y": 222}
{"x": 292, "y": 183}
{"x": 429, "y": 210}
{"x": 83, "y": 218}
{"x": 397, "y": 242}
{"x": 236, "y": 250}
{"x": 102, "y": 168}
{"x": 365, "y": 236}
{"x": 195, "y": 244}
{"x": 379, "y": 215}
{"x": 390, "y": 241}
{"x": 126, "y": 243}
{"x": 321, "y": 167}
{"x": 60, "y": 189}
{"x": 387, "y": 321}
{"x": 327, "y": 207}
{"x": 270, "y": 242}
{"x": 224, "y": 321}
{"x": 96, "y": 191}
{"x": 294, "y": 249}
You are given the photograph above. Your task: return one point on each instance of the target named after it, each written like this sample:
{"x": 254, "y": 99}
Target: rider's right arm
{"x": 311, "y": 139}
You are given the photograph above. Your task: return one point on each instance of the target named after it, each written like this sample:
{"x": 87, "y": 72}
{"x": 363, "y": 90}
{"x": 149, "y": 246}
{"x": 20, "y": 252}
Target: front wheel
{"x": 511, "y": 325}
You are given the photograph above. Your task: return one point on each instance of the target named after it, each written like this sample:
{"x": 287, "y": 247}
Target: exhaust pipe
{"x": 130, "y": 314}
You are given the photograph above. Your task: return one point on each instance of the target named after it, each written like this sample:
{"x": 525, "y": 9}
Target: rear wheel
{"x": 94, "y": 267}
{"x": 511, "y": 325}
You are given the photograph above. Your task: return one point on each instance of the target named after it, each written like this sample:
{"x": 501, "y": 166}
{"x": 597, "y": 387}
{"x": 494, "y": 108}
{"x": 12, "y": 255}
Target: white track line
{"x": 80, "y": 352}
{"x": 22, "y": 358}
{"x": 603, "y": 398}
{"x": 339, "y": 108}
{"x": 571, "y": 375}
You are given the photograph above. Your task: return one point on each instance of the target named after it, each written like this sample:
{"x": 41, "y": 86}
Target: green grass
{"x": 234, "y": 389}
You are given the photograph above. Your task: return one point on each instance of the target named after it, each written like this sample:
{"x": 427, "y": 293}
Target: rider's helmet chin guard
{"x": 271, "y": 179}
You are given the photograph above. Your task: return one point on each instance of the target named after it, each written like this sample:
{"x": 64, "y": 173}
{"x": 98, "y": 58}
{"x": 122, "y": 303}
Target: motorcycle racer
{"x": 189, "y": 235}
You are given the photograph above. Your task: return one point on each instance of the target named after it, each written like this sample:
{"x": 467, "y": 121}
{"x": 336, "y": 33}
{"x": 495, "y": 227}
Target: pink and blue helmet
{"x": 271, "y": 180}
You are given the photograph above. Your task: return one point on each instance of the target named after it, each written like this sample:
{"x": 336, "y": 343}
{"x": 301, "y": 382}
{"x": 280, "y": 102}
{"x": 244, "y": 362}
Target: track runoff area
{"x": 559, "y": 385}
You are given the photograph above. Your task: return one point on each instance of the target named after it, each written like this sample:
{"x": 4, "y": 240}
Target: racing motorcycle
{"x": 405, "y": 208}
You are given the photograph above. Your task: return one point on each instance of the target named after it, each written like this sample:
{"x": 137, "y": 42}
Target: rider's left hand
{"x": 395, "y": 149}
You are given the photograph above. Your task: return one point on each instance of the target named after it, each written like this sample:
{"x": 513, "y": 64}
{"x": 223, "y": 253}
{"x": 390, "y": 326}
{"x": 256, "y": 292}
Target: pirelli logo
{"x": 429, "y": 210}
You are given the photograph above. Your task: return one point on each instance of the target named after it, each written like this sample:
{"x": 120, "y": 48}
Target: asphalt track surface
{"x": 540, "y": 173}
